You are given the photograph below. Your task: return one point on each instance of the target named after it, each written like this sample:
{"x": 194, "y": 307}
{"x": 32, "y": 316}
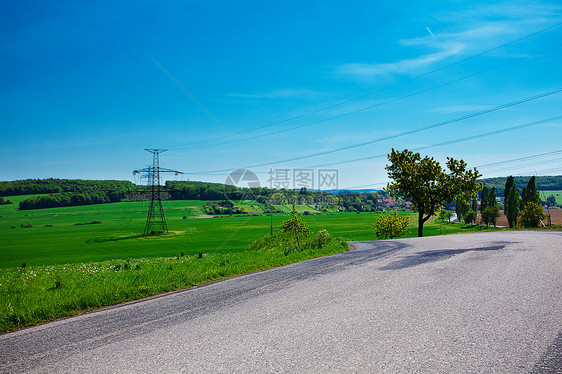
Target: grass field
{"x": 54, "y": 237}
{"x": 72, "y": 265}
{"x": 557, "y": 195}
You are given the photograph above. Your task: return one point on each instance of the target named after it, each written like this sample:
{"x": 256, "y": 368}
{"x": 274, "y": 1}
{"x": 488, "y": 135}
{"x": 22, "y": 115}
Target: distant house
{"x": 386, "y": 202}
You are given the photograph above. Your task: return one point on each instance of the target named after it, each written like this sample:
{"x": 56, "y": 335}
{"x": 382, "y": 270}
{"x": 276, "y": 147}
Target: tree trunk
{"x": 420, "y": 224}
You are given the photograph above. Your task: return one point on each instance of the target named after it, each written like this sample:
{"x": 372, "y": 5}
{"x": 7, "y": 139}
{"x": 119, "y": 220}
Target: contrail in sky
{"x": 431, "y": 33}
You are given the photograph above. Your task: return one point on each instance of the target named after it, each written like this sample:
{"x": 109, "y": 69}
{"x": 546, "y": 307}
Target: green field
{"x": 72, "y": 268}
{"x": 54, "y": 237}
{"x": 557, "y": 194}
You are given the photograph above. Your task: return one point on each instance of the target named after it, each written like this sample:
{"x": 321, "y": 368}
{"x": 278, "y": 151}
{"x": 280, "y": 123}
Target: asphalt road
{"x": 469, "y": 303}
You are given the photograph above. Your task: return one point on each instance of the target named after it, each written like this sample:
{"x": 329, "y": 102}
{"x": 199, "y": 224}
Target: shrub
{"x": 295, "y": 223}
{"x": 490, "y": 214}
{"x": 391, "y": 225}
{"x": 26, "y": 225}
{"x": 531, "y": 215}
{"x": 287, "y": 242}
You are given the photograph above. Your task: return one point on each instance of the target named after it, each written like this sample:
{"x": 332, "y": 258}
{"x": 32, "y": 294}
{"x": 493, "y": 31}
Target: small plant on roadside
{"x": 390, "y": 226}
{"x": 293, "y": 224}
{"x": 531, "y": 215}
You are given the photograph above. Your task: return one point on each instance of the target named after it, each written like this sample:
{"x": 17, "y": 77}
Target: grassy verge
{"x": 34, "y": 294}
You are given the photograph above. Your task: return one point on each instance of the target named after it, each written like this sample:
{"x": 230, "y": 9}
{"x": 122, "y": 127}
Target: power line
{"x": 524, "y": 166}
{"x": 521, "y": 158}
{"x": 448, "y": 142}
{"x": 371, "y": 93}
{"x": 203, "y": 109}
{"x": 401, "y": 134}
{"x": 362, "y": 109}
{"x": 535, "y": 172}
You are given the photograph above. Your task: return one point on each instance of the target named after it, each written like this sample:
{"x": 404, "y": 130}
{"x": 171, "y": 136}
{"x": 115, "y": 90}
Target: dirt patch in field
{"x": 555, "y": 216}
{"x": 204, "y": 216}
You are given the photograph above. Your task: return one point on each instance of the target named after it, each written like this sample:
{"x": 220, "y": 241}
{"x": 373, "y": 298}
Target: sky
{"x": 285, "y": 89}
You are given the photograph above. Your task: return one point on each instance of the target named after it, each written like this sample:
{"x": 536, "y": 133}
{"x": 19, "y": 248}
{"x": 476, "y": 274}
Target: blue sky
{"x": 87, "y": 86}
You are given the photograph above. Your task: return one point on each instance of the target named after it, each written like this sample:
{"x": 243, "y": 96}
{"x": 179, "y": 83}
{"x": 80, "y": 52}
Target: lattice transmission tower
{"x": 155, "y": 221}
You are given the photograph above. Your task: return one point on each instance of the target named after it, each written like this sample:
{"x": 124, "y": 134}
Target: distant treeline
{"x": 73, "y": 192}
{"x": 71, "y": 199}
{"x": 188, "y": 190}
{"x": 66, "y": 192}
{"x": 43, "y": 186}
{"x": 547, "y": 183}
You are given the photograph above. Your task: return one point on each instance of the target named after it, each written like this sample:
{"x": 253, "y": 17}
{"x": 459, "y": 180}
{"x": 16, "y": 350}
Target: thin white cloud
{"x": 409, "y": 66}
{"x": 462, "y": 33}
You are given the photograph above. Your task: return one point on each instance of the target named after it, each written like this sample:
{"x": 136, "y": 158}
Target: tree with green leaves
{"x": 461, "y": 208}
{"x": 530, "y": 193}
{"x": 295, "y": 225}
{"x": 470, "y": 217}
{"x": 426, "y": 184}
{"x": 531, "y": 215}
{"x": 484, "y": 199}
{"x": 490, "y": 214}
{"x": 474, "y": 205}
{"x": 492, "y": 197}
{"x": 491, "y": 211}
{"x": 550, "y": 201}
{"x": 511, "y": 201}
{"x": 445, "y": 215}
{"x": 391, "y": 225}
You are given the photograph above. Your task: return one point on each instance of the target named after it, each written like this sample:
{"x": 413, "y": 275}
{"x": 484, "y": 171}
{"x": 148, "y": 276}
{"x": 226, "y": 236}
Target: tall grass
{"x": 33, "y": 294}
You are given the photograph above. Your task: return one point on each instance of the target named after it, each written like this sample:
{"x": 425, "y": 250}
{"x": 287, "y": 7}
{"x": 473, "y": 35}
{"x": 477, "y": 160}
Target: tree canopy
{"x": 511, "y": 201}
{"x": 427, "y": 185}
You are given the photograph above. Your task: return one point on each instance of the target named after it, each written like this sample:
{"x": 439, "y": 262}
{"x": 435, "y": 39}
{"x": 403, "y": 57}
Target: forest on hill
{"x": 66, "y": 192}
{"x": 544, "y": 183}
{"x": 51, "y": 185}
{"x": 73, "y": 192}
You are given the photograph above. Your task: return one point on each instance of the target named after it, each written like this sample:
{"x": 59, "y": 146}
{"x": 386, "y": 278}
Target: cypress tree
{"x": 484, "y": 199}
{"x": 511, "y": 203}
{"x": 523, "y": 199}
{"x": 474, "y": 205}
{"x": 461, "y": 208}
{"x": 507, "y": 202}
{"x": 492, "y": 197}
{"x": 509, "y": 183}
{"x": 532, "y": 192}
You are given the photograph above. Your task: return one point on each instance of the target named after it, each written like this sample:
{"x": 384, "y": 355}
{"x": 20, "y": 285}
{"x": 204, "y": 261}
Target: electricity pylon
{"x": 155, "y": 221}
